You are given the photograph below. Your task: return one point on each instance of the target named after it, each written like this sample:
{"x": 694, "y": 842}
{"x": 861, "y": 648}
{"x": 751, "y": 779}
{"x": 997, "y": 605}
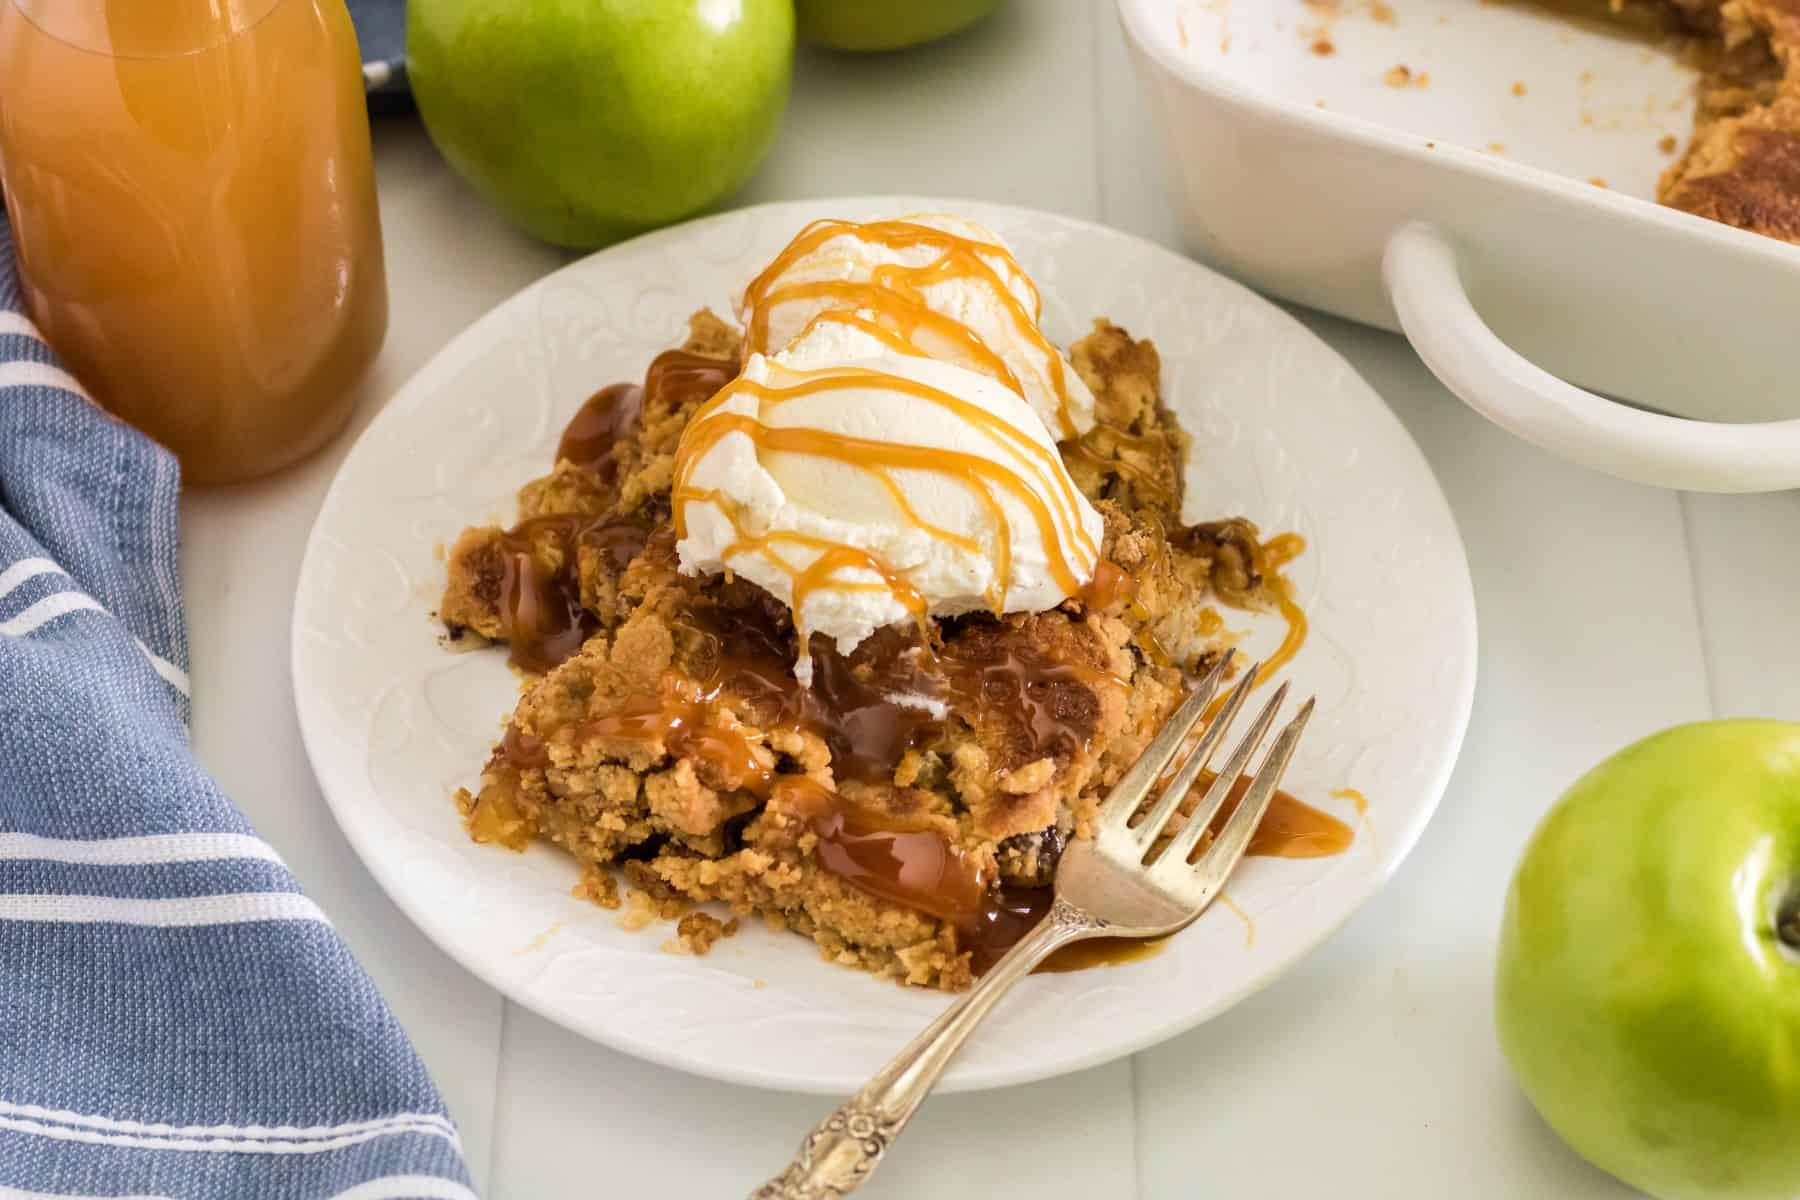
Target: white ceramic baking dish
{"x": 1459, "y": 208}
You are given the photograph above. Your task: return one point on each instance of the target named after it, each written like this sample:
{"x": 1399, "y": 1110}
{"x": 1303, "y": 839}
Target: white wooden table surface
{"x": 1607, "y": 611}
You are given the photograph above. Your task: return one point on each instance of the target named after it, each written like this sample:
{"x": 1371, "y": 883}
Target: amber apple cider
{"x": 193, "y": 204}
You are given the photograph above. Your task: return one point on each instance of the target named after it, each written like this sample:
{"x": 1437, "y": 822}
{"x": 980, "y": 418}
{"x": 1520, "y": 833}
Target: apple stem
{"x": 1787, "y": 926}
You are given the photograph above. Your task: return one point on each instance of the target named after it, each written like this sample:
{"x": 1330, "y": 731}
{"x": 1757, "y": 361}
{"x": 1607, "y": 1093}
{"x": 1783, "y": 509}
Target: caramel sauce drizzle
{"x": 541, "y": 617}
{"x": 1043, "y": 462}
{"x": 1278, "y": 551}
{"x": 682, "y": 715}
{"x": 1283, "y": 549}
{"x": 614, "y": 412}
{"x": 1023, "y": 469}
{"x": 1238, "y": 912}
{"x": 1101, "y": 952}
{"x": 895, "y": 296}
{"x": 917, "y": 866}
{"x": 898, "y": 321}
{"x": 1354, "y": 797}
{"x": 539, "y": 605}
{"x": 1297, "y": 627}
{"x": 867, "y": 732}
{"x": 605, "y": 417}
{"x": 1291, "y": 828}
{"x": 1009, "y": 913}
{"x": 911, "y": 864}
{"x": 1092, "y": 448}
{"x": 832, "y": 557}
{"x": 1111, "y": 585}
{"x": 850, "y": 705}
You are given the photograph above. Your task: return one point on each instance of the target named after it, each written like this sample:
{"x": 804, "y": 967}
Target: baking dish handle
{"x": 1435, "y": 313}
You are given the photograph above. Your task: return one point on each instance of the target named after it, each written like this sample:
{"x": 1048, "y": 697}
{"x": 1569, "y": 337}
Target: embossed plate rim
{"x": 1239, "y": 369}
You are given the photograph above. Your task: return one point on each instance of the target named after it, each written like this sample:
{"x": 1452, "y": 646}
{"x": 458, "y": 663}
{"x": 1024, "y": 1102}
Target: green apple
{"x": 585, "y": 121}
{"x": 886, "y": 24}
{"x": 1648, "y": 993}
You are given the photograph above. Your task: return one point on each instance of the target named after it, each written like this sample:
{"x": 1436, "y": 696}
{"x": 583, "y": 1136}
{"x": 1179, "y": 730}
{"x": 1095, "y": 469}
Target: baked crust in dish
{"x": 1742, "y": 166}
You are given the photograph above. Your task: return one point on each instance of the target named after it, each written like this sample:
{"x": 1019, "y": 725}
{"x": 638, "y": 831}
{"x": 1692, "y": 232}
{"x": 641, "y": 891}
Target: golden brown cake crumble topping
{"x": 907, "y": 809}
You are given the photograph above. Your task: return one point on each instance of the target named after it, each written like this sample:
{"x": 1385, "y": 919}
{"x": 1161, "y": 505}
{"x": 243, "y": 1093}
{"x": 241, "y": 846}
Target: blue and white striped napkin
{"x": 176, "y": 1019}
{"x": 381, "y": 34}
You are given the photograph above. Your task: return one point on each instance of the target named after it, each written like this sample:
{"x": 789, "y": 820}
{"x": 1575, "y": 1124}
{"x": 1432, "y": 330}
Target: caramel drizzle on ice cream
{"x": 1021, "y": 467}
{"x": 893, "y": 299}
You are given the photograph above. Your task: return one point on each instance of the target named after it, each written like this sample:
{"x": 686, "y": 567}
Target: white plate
{"x": 1285, "y": 433}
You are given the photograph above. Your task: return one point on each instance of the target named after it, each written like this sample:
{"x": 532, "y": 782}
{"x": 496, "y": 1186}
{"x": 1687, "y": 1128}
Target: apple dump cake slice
{"x": 832, "y": 630}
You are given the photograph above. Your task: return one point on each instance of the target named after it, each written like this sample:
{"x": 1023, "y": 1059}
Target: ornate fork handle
{"x": 845, "y": 1148}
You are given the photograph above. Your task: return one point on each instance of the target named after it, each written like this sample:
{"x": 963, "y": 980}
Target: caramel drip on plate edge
{"x": 1290, "y": 829}
{"x": 894, "y": 294}
{"x": 1355, "y": 797}
{"x": 1278, "y": 551}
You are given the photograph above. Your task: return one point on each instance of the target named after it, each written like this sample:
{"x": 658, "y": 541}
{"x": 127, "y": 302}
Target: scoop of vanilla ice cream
{"x": 768, "y": 512}
{"x": 999, "y": 307}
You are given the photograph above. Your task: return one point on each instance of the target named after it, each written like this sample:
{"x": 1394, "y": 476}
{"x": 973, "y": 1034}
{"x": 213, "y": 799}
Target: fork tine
{"x": 1183, "y": 843}
{"x": 1135, "y": 784}
{"x": 1221, "y": 858}
{"x": 1178, "y": 787}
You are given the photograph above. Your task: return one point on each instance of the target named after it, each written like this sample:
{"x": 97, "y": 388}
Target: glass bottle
{"x": 193, "y": 205}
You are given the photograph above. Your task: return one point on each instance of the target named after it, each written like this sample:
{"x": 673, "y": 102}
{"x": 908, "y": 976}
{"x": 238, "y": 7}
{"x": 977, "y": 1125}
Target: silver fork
{"x": 1109, "y": 886}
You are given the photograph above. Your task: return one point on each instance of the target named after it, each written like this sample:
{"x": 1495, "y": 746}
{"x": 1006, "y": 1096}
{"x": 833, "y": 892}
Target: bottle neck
{"x": 144, "y": 28}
